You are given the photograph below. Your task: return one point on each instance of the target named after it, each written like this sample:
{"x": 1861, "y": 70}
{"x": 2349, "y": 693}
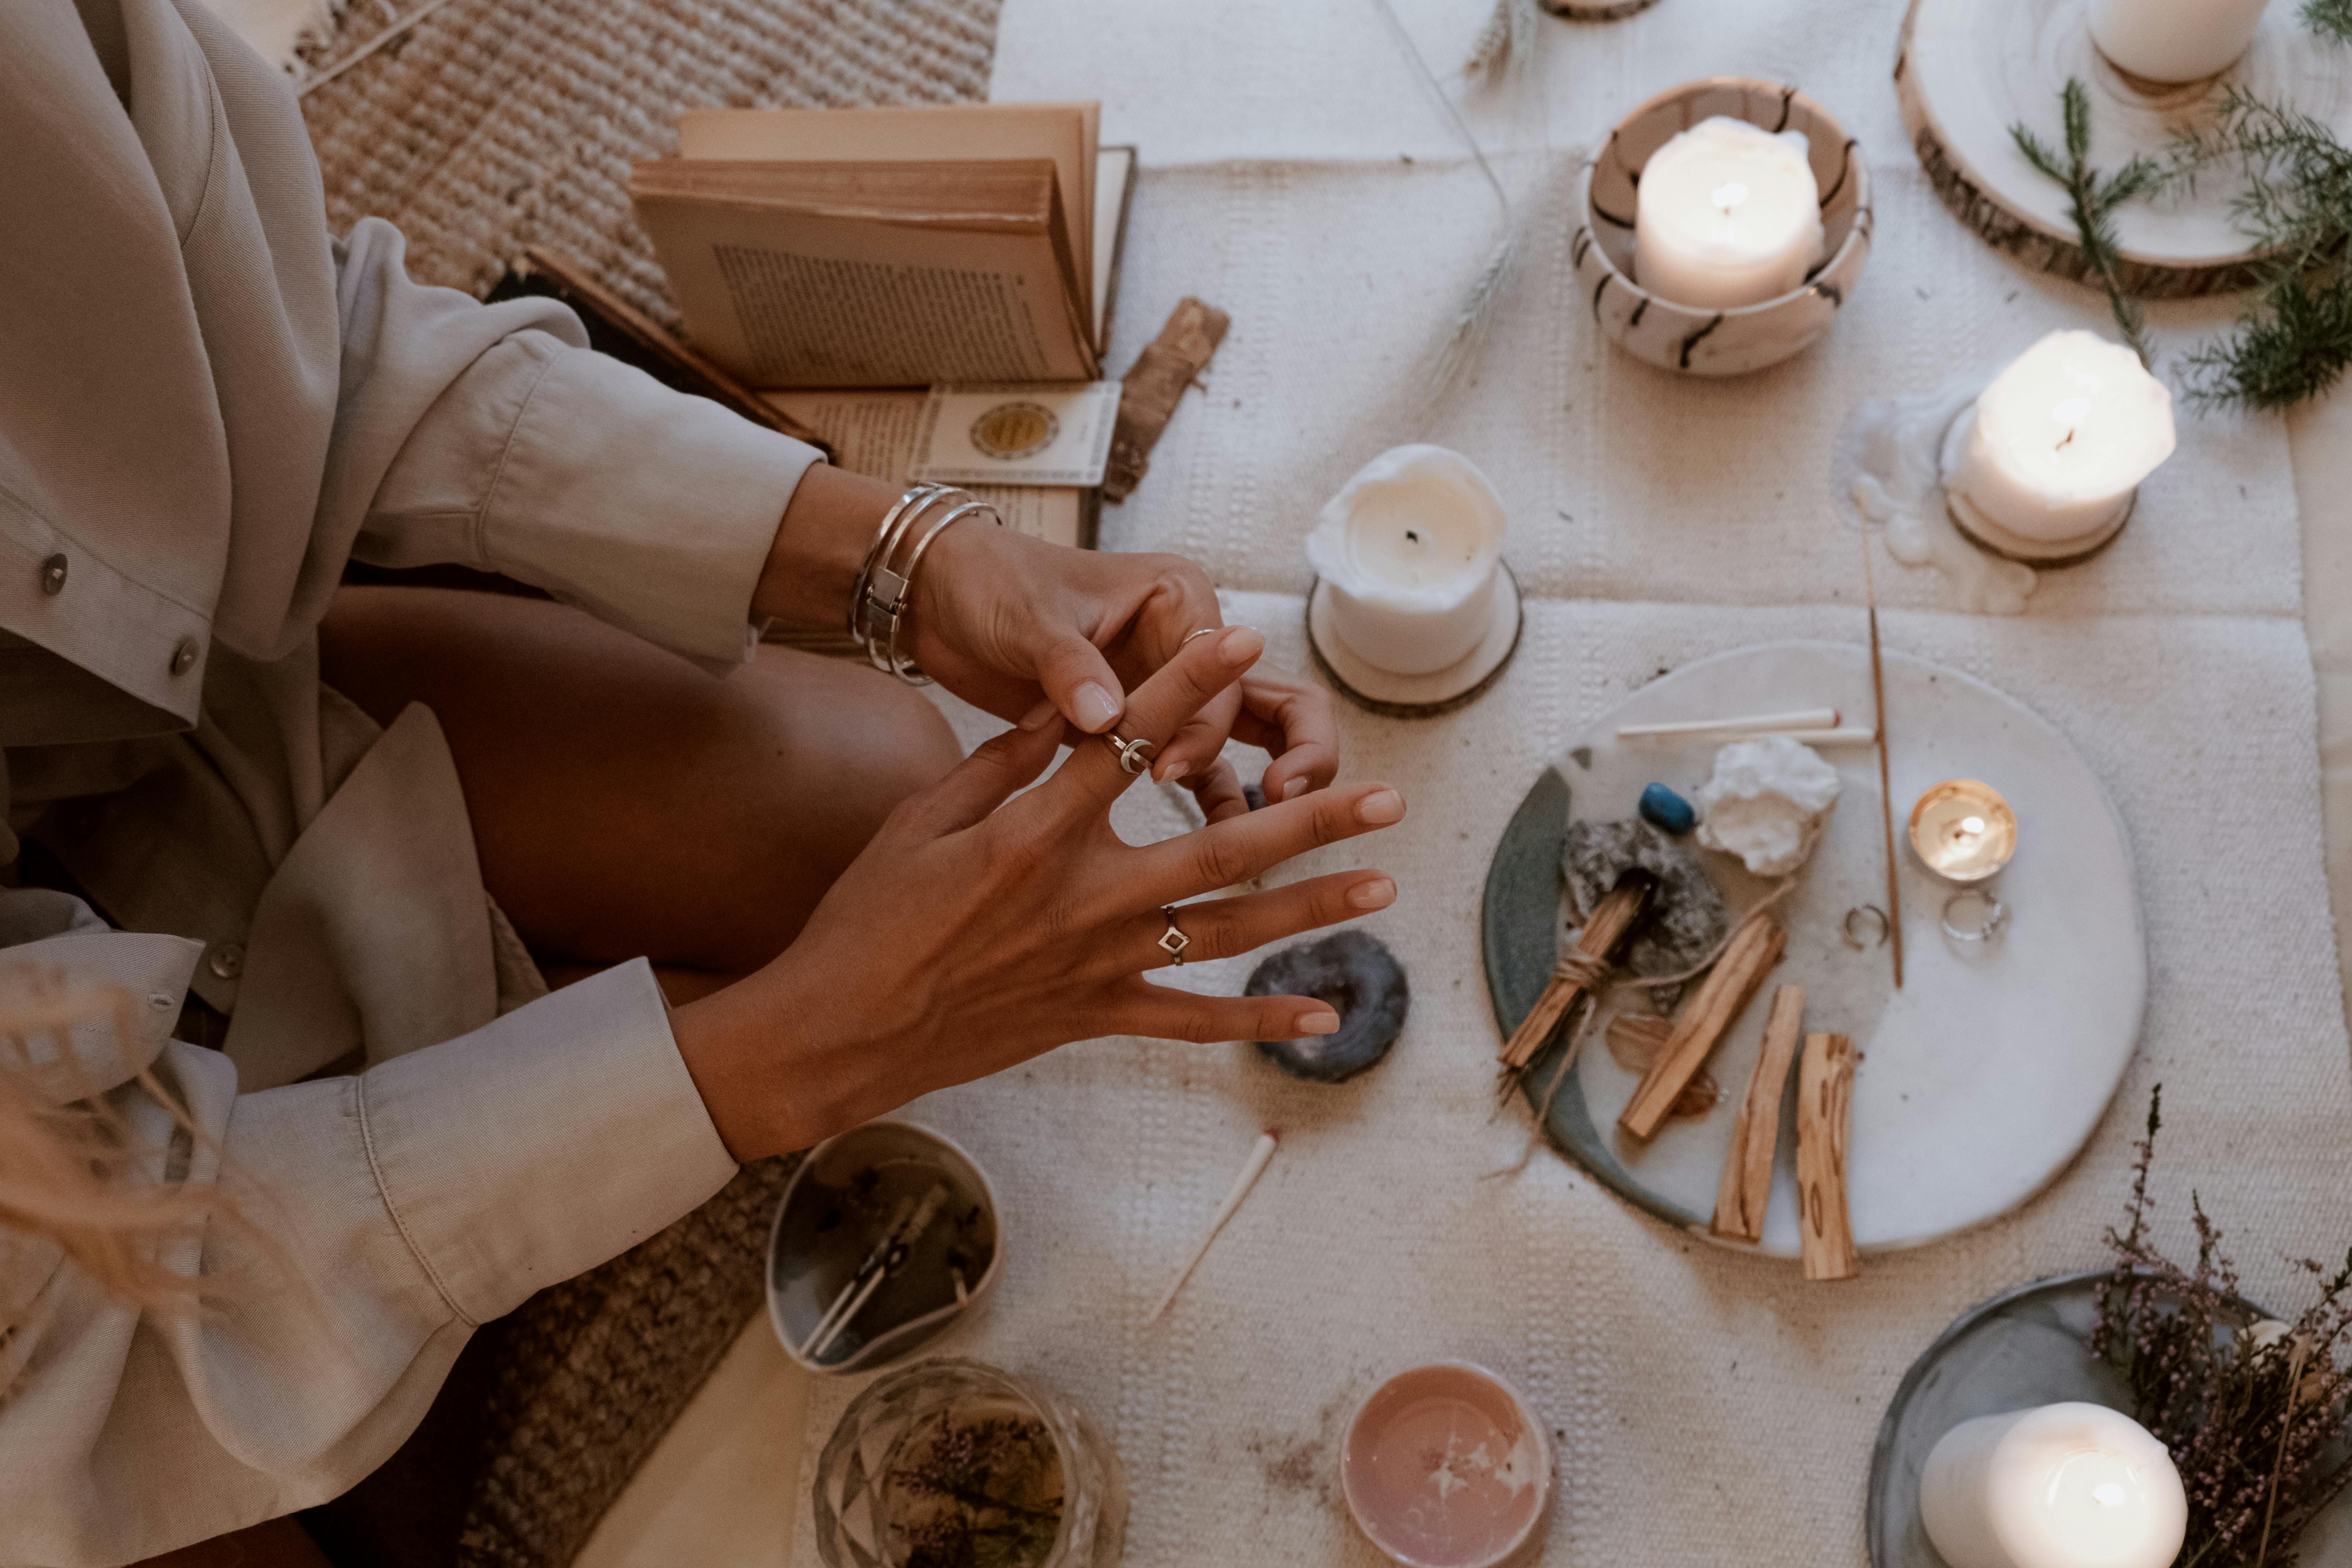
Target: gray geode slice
{"x": 1685, "y": 917}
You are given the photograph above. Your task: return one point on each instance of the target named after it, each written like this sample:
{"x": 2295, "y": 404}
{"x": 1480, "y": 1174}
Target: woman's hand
{"x": 1005, "y": 621}
{"x": 979, "y": 930}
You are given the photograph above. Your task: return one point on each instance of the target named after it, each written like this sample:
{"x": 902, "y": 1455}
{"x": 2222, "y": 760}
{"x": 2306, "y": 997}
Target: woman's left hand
{"x": 1009, "y": 623}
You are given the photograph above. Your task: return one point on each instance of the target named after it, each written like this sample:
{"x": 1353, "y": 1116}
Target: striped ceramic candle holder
{"x": 1701, "y": 341}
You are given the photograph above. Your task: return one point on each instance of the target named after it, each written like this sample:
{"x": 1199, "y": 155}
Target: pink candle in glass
{"x": 1447, "y": 1466}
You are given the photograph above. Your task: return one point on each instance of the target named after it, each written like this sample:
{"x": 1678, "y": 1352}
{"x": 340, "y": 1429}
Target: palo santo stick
{"x": 1754, "y": 949}
{"x": 1802, "y": 718}
{"x": 1824, "y": 1106}
{"x": 1602, "y": 933}
{"x": 1746, "y": 1186}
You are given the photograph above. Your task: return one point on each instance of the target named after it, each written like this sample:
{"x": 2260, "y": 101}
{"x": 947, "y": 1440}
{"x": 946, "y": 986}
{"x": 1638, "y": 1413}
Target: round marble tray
{"x": 2024, "y": 1347}
{"x": 1982, "y": 1077}
{"x": 1968, "y": 69}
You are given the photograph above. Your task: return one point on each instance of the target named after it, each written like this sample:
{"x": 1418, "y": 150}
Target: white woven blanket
{"x": 1709, "y": 1407}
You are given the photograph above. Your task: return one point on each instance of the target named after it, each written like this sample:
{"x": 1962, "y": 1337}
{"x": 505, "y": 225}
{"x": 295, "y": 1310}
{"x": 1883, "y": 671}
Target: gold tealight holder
{"x": 1963, "y": 831}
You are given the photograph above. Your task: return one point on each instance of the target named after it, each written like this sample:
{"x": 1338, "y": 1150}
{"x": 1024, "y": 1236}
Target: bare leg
{"x": 626, "y": 803}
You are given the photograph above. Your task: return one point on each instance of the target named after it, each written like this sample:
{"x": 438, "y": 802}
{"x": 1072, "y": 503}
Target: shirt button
{"x": 53, "y": 575}
{"x": 183, "y": 658}
{"x": 226, "y": 961}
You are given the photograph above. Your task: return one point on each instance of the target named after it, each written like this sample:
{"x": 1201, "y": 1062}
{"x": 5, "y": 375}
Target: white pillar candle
{"x": 2063, "y": 437}
{"x": 1726, "y": 214}
{"x": 2061, "y": 1486}
{"x": 1410, "y": 547}
{"x": 2174, "y": 40}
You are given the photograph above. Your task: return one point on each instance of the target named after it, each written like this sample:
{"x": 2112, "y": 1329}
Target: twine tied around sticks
{"x": 1592, "y": 974}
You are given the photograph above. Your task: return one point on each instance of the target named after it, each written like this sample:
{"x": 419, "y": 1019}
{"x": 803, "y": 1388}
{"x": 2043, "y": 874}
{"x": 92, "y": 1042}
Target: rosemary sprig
{"x": 2331, "y": 19}
{"x": 2092, "y": 200}
{"x": 2295, "y": 341}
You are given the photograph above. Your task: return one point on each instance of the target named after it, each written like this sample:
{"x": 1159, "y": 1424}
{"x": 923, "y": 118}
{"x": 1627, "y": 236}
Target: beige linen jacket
{"x": 206, "y": 407}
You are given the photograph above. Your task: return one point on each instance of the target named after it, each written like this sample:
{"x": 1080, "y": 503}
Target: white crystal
{"x": 1767, "y": 803}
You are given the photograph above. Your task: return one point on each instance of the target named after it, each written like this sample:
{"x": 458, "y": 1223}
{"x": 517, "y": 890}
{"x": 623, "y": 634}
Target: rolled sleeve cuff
{"x": 653, "y": 510}
{"x": 540, "y": 1146}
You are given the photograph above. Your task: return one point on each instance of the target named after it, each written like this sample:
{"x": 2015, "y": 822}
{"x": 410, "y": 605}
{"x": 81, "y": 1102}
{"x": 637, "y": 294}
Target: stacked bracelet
{"x": 885, "y": 579}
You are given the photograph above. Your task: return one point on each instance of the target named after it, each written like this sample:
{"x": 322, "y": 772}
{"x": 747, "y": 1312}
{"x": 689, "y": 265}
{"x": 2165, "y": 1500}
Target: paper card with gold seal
{"x": 1017, "y": 435}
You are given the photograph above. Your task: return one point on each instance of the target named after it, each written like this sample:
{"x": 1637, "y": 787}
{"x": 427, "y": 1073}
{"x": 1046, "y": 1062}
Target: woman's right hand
{"x": 978, "y": 929}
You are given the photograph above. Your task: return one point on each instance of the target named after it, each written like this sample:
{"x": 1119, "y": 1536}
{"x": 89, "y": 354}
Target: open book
{"x": 861, "y": 247}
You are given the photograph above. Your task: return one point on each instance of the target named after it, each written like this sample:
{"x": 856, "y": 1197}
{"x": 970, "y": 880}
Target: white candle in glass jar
{"x": 2061, "y": 1485}
{"x": 2059, "y": 442}
{"x": 2174, "y": 40}
{"x": 1410, "y": 548}
{"x": 1726, "y": 214}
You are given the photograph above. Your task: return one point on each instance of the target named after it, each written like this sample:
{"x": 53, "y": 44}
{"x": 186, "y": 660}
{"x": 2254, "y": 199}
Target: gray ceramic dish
{"x": 2027, "y": 1347}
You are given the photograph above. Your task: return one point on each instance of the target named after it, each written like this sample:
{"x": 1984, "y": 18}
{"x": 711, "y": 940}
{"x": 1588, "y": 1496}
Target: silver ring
{"x": 1204, "y": 631}
{"x": 1134, "y": 756}
{"x": 1173, "y": 942}
{"x": 1987, "y": 913}
{"x": 1875, "y": 916}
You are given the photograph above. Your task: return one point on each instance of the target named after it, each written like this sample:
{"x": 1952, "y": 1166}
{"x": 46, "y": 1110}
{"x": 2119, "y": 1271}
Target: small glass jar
{"x": 948, "y": 1452}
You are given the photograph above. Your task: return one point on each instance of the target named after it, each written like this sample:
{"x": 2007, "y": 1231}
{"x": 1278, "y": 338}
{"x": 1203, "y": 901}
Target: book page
{"x": 961, "y": 132}
{"x": 1115, "y": 169}
{"x": 876, "y": 434}
{"x": 786, "y": 297}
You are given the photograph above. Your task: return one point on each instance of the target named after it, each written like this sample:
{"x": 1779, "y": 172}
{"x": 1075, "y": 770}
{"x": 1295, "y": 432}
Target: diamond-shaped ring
{"x": 1173, "y": 942}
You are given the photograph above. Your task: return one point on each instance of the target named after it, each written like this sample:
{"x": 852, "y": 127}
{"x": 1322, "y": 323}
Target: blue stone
{"x": 1668, "y": 812}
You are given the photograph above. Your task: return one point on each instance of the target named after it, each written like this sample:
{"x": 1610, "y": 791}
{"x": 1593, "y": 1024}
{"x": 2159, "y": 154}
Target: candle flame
{"x": 1972, "y": 825}
{"x": 1729, "y": 197}
{"x": 2111, "y": 1494}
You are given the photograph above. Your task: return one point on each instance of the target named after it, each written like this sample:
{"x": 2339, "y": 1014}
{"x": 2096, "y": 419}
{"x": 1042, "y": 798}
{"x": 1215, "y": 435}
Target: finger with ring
{"x": 1226, "y": 928}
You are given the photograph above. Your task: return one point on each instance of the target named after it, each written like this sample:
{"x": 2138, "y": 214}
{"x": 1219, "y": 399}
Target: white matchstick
{"x": 1803, "y": 718}
{"x": 1251, "y": 1170}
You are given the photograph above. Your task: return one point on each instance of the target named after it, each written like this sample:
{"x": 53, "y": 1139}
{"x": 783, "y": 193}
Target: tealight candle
{"x": 2061, "y": 1486}
{"x": 1447, "y": 1466}
{"x": 1726, "y": 214}
{"x": 1963, "y": 831}
{"x": 2057, "y": 445}
{"x": 2169, "y": 41}
{"x": 1410, "y": 547}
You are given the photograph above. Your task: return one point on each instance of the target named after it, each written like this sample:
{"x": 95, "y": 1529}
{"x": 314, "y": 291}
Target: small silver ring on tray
{"x": 1973, "y": 915}
{"x": 1134, "y": 756}
{"x": 1871, "y": 916}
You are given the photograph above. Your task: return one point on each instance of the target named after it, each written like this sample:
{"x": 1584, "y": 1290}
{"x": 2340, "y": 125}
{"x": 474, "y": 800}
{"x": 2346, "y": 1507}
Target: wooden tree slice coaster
{"x": 1966, "y": 70}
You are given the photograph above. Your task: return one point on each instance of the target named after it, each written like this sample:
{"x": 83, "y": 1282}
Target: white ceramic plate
{"x": 1981, "y": 1079}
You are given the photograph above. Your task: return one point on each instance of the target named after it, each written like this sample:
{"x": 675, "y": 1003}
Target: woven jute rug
{"x": 494, "y": 124}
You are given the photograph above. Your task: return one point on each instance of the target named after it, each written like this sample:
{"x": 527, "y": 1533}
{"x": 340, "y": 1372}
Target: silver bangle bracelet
{"x": 882, "y": 593}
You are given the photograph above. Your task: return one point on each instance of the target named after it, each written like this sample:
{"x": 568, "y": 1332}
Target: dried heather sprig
{"x": 2256, "y": 1421}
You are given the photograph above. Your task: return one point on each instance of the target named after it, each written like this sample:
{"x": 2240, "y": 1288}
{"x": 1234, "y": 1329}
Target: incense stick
{"x": 1250, "y": 1171}
{"x": 1886, "y": 791}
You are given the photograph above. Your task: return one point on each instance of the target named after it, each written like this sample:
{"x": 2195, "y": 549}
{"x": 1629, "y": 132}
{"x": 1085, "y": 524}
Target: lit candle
{"x": 2174, "y": 40}
{"x": 1410, "y": 547}
{"x": 1447, "y": 1466}
{"x": 1726, "y": 214}
{"x": 1963, "y": 831}
{"x": 2061, "y": 1486}
{"x": 2058, "y": 444}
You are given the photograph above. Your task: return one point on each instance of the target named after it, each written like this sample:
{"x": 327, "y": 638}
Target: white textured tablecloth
{"x": 1710, "y": 1407}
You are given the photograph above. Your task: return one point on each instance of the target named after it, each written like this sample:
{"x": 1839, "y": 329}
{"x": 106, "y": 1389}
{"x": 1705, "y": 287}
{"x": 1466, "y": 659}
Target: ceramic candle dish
{"x": 1699, "y": 341}
{"x": 834, "y": 1207}
{"x": 1446, "y": 1466}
